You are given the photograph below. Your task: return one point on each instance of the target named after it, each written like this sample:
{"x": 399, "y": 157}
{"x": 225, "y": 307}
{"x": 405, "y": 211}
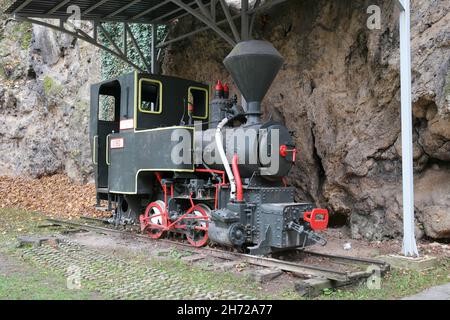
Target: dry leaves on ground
{"x": 55, "y": 196}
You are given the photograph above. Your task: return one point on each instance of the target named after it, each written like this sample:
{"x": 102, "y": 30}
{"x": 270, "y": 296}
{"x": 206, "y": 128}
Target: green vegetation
{"x": 396, "y": 284}
{"x": 111, "y": 65}
{"x": 27, "y": 281}
{"x": 2, "y": 72}
{"x": 22, "y": 33}
{"x": 212, "y": 280}
{"x": 51, "y": 87}
{"x": 5, "y": 4}
{"x": 36, "y": 284}
{"x": 26, "y": 35}
{"x": 15, "y": 222}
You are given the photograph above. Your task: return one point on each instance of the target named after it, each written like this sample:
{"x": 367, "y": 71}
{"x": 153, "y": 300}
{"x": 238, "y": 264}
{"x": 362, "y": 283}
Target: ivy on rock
{"x": 113, "y": 66}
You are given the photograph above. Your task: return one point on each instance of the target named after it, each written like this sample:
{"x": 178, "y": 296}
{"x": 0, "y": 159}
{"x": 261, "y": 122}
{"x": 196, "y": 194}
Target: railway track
{"x": 358, "y": 268}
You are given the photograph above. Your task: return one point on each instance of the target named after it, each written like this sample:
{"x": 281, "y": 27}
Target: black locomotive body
{"x": 137, "y": 124}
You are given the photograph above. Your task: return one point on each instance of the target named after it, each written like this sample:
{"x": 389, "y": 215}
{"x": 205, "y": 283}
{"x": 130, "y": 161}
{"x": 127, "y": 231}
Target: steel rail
{"x": 299, "y": 268}
{"x": 94, "y": 219}
{"x": 354, "y": 260}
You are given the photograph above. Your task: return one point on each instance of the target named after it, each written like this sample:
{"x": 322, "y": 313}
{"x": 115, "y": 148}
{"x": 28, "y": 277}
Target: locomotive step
{"x": 102, "y": 190}
{"x": 102, "y": 208}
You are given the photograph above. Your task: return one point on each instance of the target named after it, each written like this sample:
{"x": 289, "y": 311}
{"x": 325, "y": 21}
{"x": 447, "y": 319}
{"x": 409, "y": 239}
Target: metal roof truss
{"x": 153, "y": 12}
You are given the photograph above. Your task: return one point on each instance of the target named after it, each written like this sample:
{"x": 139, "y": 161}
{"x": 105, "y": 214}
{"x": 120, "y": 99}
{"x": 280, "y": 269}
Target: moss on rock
{"x": 51, "y": 87}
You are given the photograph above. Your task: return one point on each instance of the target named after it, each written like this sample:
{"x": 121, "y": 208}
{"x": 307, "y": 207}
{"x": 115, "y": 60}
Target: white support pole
{"x": 409, "y": 240}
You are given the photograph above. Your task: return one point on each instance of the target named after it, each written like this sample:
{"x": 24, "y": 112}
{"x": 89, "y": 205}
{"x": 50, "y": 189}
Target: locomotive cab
{"x": 127, "y": 113}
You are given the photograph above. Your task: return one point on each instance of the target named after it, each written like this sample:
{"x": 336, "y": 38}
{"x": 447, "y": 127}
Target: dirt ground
{"x": 340, "y": 238}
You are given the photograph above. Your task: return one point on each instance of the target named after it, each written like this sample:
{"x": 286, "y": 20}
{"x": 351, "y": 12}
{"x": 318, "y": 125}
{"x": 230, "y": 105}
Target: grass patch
{"x": 447, "y": 85}
{"x": 15, "y": 222}
{"x": 213, "y": 281}
{"x": 29, "y": 281}
{"x": 38, "y": 285}
{"x": 396, "y": 284}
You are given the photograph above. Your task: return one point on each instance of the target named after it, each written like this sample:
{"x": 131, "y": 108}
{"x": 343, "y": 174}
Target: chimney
{"x": 253, "y": 65}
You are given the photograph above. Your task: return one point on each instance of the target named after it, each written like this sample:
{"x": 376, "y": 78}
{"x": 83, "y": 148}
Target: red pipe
{"x": 158, "y": 176}
{"x": 237, "y": 178}
{"x": 164, "y": 187}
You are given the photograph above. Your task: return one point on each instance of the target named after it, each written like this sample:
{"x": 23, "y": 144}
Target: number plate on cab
{"x": 117, "y": 143}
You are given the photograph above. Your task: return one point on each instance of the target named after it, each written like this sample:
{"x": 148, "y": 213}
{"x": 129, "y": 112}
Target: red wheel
{"x": 197, "y": 223}
{"x": 154, "y": 220}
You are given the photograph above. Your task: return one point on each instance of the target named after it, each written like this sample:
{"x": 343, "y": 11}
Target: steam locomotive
{"x": 229, "y": 186}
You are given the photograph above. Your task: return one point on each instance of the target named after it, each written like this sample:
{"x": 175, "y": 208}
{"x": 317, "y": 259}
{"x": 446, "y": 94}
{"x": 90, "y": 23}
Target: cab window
{"x": 150, "y": 96}
{"x": 199, "y": 99}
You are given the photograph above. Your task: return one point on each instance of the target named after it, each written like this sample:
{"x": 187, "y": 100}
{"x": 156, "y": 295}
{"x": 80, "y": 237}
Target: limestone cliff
{"x": 44, "y": 101}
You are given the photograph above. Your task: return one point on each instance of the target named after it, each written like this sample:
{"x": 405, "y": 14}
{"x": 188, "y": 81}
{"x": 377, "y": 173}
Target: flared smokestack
{"x": 253, "y": 66}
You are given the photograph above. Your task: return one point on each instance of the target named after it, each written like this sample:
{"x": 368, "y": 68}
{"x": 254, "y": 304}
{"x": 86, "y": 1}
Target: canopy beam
{"x": 205, "y": 20}
{"x": 121, "y": 9}
{"x": 58, "y": 6}
{"x": 79, "y": 34}
{"x": 136, "y": 46}
{"x": 233, "y": 28}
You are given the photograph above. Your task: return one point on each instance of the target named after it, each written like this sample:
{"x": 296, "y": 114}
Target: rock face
{"x": 432, "y": 199}
{"x": 339, "y": 91}
{"x": 44, "y": 101}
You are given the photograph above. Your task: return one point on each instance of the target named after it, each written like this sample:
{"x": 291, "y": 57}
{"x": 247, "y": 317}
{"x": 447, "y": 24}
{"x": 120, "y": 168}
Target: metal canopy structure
{"x": 131, "y": 11}
{"x": 165, "y": 12}
{"x": 152, "y": 12}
